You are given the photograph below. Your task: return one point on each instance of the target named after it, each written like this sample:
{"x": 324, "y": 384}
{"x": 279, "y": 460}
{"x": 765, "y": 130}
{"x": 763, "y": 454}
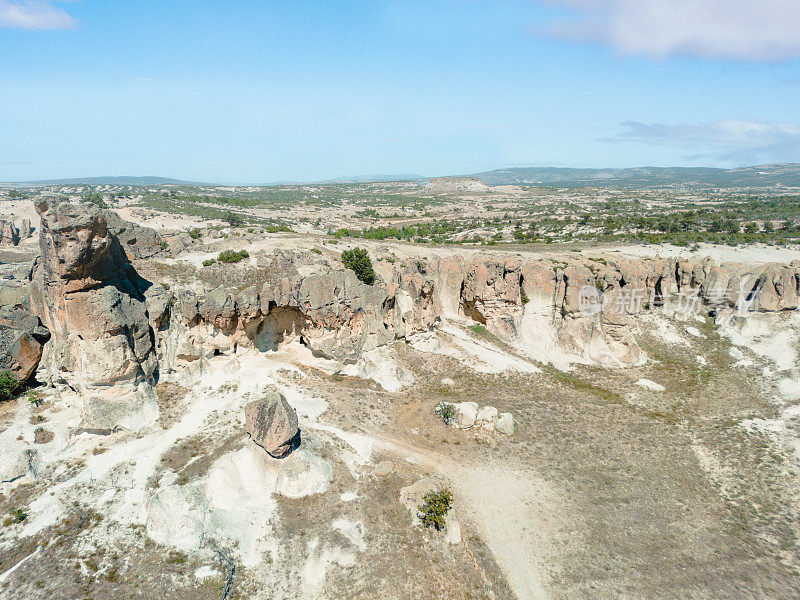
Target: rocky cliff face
{"x": 326, "y": 309}
{"x": 113, "y": 332}
{"x": 554, "y": 310}
{"x": 92, "y": 301}
{"x": 589, "y": 307}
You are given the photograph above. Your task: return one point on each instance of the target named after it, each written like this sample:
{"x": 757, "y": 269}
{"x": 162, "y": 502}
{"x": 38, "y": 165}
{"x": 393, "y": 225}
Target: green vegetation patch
{"x": 434, "y": 508}
{"x": 8, "y": 386}
{"x": 358, "y": 261}
{"x": 232, "y": 256}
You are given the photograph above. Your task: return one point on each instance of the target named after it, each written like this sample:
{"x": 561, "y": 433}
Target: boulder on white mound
{"x": 272, "y": 424}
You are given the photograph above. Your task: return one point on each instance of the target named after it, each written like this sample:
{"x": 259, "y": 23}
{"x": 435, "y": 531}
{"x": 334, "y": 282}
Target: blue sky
{"x": 237, "y": 91}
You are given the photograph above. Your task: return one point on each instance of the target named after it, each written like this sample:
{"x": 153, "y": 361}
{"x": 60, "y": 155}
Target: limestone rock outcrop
{"x": 324, "y": 308}
{"x": 555, "y": 309}
{"x": 272, "y": 424}
{"x": 92, "y": 301}
{"x": 9, "y": 234}
{"x": 445, "y": 185}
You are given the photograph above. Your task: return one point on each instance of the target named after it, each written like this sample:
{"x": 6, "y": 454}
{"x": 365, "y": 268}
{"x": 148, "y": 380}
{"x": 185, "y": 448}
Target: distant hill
{"x": 121, "y": 180}
{"x": 377, "y": 178}
{"x": 774, "y": 175}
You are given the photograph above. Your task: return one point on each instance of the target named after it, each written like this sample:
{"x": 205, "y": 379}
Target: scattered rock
{"x": 650, "y": 385}
{"x": 467, "y": 414}
{"x": 384, "y": 468}
{"x": 505, "y": 424}
{"x": 488, "y": 414}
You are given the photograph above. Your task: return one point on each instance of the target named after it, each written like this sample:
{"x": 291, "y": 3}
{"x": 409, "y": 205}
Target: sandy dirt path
{"x": 511, "y": 509}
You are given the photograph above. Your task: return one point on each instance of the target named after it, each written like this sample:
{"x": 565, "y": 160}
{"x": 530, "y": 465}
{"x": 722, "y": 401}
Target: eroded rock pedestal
{"x": 92, "y": 301}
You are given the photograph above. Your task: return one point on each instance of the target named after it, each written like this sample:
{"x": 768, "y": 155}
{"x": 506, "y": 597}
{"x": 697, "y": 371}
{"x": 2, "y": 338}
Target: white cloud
{"x": 34, "y": 14}
{"x": 735, "y": 141}
{"x": 756, "y": 30}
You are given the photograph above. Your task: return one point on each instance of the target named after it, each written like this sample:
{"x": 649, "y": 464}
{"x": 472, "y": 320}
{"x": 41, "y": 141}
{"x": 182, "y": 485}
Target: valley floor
{"x": 606, "y": 490}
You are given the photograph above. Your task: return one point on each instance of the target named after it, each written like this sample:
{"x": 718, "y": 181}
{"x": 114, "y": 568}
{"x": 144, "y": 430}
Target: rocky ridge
{"x": 114, "y": 334}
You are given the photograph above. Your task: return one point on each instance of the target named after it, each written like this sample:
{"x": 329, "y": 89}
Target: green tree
{"x": 358, "y": 261}
{"x": 233, "y": 219}
{"x": 434, "y": 508}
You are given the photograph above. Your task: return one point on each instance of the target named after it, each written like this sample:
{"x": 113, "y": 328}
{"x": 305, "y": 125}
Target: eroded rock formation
{"x": 137, "y": 241}
{"x": 9, "y": 234}
{"x": 583, "y": 308}
{"x": 92, "y": 301}
{"x": 326, "y": 309}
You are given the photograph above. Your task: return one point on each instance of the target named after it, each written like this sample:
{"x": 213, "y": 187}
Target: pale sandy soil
{"x": 17, "y": 210}
{"x": 754, "y": 253}
{"x": 164, "y": 221}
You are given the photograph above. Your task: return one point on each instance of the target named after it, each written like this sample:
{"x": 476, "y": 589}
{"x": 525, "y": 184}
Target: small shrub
{"x": 35, "y": 398}
{"x": 316, "y": 251}
{"x": 209, "y": 262}
{"x": 357, "y": 260}
{"x": 195, "y": 233}
{"x": 232, "y": 256}
{"x": 446, "y": 412}
{"x": 479, "y": 329}
{"x": 8, "y": 386}
{"x": 524, "y": 298}
{"x": 18, "y": 515}
{"x": 434, "y": 508}
{"x": 176, "y": 557}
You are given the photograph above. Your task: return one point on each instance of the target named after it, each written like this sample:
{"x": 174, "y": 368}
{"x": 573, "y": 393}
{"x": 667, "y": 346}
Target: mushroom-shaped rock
{"x": 272, "y": 424}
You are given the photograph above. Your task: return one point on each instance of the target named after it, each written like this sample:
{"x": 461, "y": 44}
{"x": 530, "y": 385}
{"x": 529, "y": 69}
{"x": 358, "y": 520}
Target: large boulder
{"x": 91, "y": 299}
{"x": 22, "y": 336}
{"x": 138, "y": 241}
{"x": 272, "y": 424}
